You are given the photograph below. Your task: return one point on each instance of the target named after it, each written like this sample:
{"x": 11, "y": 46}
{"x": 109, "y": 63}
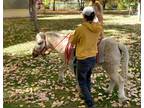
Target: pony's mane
{"x": 54, "y": 36}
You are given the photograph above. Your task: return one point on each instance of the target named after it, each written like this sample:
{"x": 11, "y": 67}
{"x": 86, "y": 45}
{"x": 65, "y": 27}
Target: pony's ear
{"x": 40, "y": 36}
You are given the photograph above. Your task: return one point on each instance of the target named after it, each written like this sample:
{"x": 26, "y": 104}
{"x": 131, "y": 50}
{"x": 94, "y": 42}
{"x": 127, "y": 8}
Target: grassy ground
{"x": 32, "y": 83}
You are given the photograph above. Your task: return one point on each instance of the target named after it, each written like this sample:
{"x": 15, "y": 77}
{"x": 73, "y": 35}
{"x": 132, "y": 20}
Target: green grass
{"x": 26, "y": 78}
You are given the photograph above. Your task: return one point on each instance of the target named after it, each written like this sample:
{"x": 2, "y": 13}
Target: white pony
{"x": 113, "y": 55}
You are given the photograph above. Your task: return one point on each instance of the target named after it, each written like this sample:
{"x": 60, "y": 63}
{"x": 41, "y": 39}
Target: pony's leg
{"x": 121, "y": 89}
{"x": 111, "y": 82}
{"x": 74, "y": 70}
{"x": 111, "y": 86}
{"x": 61, "y": 74}
{"x": 77, "y": 84}
{"x": 120, "y": 82}
{"x": 116, "y": 79}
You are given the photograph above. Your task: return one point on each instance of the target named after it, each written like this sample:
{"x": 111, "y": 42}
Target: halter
{"x": 44, "y": 48}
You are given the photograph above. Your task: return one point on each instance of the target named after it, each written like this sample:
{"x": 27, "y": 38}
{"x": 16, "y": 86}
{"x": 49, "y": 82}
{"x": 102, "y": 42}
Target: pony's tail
{"x": 125, "y": 60}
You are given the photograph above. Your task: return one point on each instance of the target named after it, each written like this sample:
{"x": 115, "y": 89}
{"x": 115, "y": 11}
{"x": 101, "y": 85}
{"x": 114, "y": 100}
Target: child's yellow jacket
{"x": 85, "y": 38}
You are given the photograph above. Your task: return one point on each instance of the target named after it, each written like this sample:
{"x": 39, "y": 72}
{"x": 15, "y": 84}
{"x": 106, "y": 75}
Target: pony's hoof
{"x": 123, "y": 98}
{"x": 108, "y": 91}
{"x": 61, "y": 81}
{"x": 78, "y": 88}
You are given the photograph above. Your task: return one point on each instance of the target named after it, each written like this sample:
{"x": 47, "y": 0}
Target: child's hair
{"x": 90, "y": 17}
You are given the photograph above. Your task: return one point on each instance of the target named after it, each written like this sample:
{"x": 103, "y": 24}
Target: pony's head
{"x": 41, "y": 46}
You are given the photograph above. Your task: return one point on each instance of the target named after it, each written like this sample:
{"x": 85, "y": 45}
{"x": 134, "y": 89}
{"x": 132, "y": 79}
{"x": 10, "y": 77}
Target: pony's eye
{"x": 39, "y": 43}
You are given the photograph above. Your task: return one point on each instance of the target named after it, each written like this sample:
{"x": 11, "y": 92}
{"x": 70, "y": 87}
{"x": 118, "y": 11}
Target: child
{"x": 99, "y": 18}
{"x": 85, "y": 38}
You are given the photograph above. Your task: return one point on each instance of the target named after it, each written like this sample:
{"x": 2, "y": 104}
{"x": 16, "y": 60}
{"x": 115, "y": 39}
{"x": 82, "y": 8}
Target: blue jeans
{"x": 84, "y": 71}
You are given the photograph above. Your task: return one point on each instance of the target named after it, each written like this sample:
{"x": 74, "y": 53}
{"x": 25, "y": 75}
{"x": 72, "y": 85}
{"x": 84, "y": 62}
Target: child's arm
{"x": 100, "y": 17}
{"x": 73, "y": 38}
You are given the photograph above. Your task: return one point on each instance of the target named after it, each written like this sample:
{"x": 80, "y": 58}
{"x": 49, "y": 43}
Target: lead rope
{"x": 61, "y": 41}
{"x": 58, "y": 43}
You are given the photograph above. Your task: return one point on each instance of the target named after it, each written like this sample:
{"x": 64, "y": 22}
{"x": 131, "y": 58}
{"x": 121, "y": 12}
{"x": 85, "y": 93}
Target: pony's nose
{"x": 34, "y": 54}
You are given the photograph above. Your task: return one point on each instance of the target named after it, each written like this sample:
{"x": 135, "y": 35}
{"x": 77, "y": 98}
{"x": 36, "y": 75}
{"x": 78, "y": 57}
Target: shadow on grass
{"x": 134, "y": 28}
{"x": 22, "y": 30}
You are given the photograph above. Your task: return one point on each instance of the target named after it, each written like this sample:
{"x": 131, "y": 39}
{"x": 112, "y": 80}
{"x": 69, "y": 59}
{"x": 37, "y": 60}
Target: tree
{"x": 139, "y": 9}
{"x": 33, "y": 13}
{"x": 104, "y": 3}
{"x": 53, "y": 5}
{"x": 81, "y": 4}
{"x": 47, "y": 3}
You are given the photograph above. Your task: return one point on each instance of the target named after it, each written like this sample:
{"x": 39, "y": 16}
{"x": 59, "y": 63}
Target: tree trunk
{"x": 53, "y": 5}
{"x": 33, "y": 13}
{"x": 104, "y": 6}
{"x": 79, "y": 4}
{"x": 104, "y": 3}
{"x": 82, "y": 4}
{"x": 139, "y": 10}
{"x": 30, "y": 8}
{"x": 35, "y": 19}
